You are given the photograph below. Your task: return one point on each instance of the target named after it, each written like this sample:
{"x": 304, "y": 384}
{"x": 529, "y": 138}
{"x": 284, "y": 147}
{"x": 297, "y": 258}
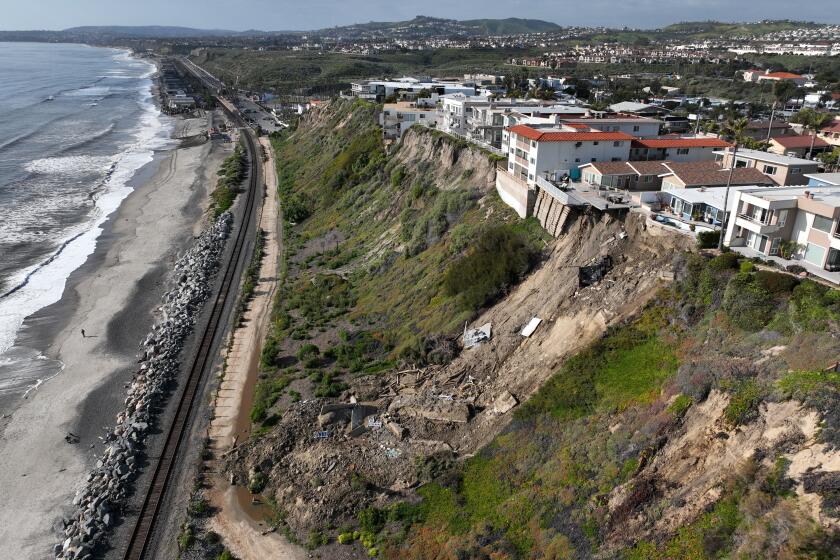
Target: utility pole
{"x": 770, "y": 126}
{"x": 724, "y": 221}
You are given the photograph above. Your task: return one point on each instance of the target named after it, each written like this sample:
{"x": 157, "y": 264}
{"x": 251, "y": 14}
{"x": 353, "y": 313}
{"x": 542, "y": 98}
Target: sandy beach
{"x": 113, "y": 297}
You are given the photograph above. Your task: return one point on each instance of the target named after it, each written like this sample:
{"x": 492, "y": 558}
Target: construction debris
{"x": 594, "y": 273}
{"x": 531, "y": 327}
{"x": 504, "y": 402}
{"x": 474, "y": 337}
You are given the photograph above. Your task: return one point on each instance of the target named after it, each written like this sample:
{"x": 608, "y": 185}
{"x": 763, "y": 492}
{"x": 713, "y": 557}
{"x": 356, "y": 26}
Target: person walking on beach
{"x": 83, "y": 333}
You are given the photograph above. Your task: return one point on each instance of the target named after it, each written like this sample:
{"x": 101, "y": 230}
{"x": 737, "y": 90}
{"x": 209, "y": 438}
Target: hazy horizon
{"x": 265, "y": 15}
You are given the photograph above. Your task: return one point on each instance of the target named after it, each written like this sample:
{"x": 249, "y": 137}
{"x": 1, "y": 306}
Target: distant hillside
{"x": 424, "y": 26}
{"x": 151, "y": 31}
{"x": 716, "y": 28}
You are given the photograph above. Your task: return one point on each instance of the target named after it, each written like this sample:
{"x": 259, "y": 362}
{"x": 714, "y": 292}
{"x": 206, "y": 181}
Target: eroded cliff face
{"x": 450, "y": 411}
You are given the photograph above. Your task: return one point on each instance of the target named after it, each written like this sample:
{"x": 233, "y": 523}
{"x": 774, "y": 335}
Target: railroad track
{"x": 142, "y": 536}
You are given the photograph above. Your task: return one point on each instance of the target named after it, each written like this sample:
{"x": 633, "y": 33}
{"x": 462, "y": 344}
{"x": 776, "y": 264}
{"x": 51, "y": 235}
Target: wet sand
{"x": 113, "y": 297}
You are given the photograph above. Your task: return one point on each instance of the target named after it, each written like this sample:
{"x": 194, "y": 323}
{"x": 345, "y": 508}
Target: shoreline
{"x": 113, "y": 295}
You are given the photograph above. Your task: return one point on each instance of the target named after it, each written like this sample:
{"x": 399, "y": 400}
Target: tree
{"x": 783, "y": 90}
{"x": 733, "y": 130}
{"x": 813, "y": 121}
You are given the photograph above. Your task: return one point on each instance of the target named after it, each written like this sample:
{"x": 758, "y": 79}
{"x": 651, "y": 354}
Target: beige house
{"x": 784, "y": 170}
{"x": 797, "y": 225}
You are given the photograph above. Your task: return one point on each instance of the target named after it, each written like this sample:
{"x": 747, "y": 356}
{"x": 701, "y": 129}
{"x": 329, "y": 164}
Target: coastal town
{"x": 433, "y": 289}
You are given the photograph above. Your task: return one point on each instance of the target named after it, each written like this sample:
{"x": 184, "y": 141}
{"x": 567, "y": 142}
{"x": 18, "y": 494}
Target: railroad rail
{"x": 162, "y": 477}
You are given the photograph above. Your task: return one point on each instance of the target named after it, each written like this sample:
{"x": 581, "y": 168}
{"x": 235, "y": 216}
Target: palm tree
{"x": 733, "y": 130}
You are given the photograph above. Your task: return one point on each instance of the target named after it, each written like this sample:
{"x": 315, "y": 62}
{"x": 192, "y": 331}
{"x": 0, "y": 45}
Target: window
{"x": 774, "y": 246}
{"x": 740, "y": 163}
{"x": 617, "y": 143}
{"x": 595, "y": 143}
{"x": 533, "y": 144}
{"x": 594, "y": 159}
{"x": 822, "y": 223}
{"x": 782, "y": 219}
{"x": 533, "y": 160}
{"x": 648, "y": 179}
{"x": 770, "y": 169}
{"x": 635, "y": 128}
{"x": 795, "y": 170}
{"x": 510, "y": 166}
{"x": 615, "y": 129}
{"x": 616, "y": 159}
{"x": 682, "y": 151}
{"x": 531, "y": 176}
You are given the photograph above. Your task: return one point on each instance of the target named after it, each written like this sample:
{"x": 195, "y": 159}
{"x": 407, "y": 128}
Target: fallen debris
{"x": 474, "y": 337}
{"x": 532, "y": 325}
{"x": 504, "y": 402}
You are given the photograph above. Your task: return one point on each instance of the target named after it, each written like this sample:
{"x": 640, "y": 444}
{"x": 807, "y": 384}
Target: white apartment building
{"x": 533, "y": 152}
{"x": 377, "y": 90}
{"x": 396, "y": 118}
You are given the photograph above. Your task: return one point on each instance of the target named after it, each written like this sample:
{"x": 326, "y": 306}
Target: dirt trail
{"x": 240, "y": 532}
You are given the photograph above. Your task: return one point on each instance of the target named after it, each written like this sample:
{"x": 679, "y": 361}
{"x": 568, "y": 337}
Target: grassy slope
{"x": 540, "y": 489}
{"x": 382, "y": 286}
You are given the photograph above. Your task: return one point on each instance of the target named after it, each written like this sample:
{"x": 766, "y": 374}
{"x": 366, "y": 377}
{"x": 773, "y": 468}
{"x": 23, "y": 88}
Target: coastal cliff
{"x": 668, "y": 409}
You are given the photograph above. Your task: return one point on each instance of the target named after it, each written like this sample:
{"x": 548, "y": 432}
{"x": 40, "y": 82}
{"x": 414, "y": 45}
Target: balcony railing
{"x": 754, "y": 220}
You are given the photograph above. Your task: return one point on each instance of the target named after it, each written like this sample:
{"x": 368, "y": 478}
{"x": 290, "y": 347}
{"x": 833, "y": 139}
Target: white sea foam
{"x": 43, "y": 284}
{"x": 69, "y": 165}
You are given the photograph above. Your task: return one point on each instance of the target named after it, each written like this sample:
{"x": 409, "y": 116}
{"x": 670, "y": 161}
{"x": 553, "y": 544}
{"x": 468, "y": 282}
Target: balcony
{"x": 755, "y": 225}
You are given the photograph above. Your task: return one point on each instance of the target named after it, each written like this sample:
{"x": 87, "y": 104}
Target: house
{"x": 759, "y": 76}
{"x": 798, "y": 146}
{"x": 799, "y": 223}
{"x": 687, "y": 175}
{"x": 784, "y": 170}
{"x": 676, "y": 149}
{"x": 396, "y": 118}
{"x": 698, "y": 205}
{"x": 535, "y": 151}
{"x": 629, "y": 175}
{"x": 830, "y": 133}
{"x": 757, "y": 130}
{"x": 640, "y": 127}
{"x": 823, "y": 179}
{"x": 377, "y": 90}
{"x": 641, "y": 109}
{"x": 676, "y": 124}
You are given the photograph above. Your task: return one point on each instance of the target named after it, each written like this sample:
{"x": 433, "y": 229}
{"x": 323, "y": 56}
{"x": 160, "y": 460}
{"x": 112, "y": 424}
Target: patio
{"x": 833, "y": 277}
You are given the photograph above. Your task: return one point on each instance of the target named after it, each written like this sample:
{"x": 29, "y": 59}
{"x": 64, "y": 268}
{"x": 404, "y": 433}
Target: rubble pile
{"x": 101, "y": 498}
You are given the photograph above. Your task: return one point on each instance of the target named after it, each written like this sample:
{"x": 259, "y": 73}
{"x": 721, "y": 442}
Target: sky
{"x": 275, "y": 15}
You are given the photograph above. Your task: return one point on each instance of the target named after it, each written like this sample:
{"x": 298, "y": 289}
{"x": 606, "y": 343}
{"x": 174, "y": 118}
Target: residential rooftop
{"x": 801, "y": 141}
{"x": 768, "y": 157}
{"x": 680, "y": 143}
{"x": 558, "y": 135}
{"x": 830, "y": 178}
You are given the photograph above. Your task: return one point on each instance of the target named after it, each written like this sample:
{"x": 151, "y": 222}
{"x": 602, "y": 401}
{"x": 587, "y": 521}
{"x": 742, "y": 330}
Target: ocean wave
{"x": 68, "y": 165}
{"x": 43, "y": 284}
{"x": 89, "y": 91}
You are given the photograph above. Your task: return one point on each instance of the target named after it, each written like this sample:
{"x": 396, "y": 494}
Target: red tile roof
{"x": 802, "y": 141}
{"x": 553, "y": 136}
{"x": 783, "y": 76}
{"x": 681, "y": 143}
{"x": 833, "y": 126}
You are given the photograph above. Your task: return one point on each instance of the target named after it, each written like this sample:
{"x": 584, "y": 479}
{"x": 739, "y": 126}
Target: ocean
{"x": 76, "y": 124}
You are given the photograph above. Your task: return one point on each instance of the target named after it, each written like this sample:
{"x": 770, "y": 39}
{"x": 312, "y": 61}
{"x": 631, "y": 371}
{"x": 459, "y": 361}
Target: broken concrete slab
{"x": 504, "y": 402}
{"x": 431, "y": 408}
{"x": 532, "y": 325}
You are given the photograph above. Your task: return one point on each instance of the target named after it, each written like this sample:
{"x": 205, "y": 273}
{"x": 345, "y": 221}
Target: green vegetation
{"x": 231, "y": 174}
{"x": 499, "y": 258}
{"x": 539, "y": 489}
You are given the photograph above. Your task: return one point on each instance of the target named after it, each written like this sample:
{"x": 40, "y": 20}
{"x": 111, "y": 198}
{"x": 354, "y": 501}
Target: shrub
{"x": 708, "y": 239}
{"x": 743, "y": 403}
{"x": 308, "y": 351}
{"x": 748, "y": 305}
{"x": 680, "y": 405}
{"x": 724, "y": 261}
{"x": 775, "y": 282}
{"x": 747, "y": 266}
{"x": 345, "y": 538}
{"x": 499, "y": 259}
{"x": 372, "y": 519}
